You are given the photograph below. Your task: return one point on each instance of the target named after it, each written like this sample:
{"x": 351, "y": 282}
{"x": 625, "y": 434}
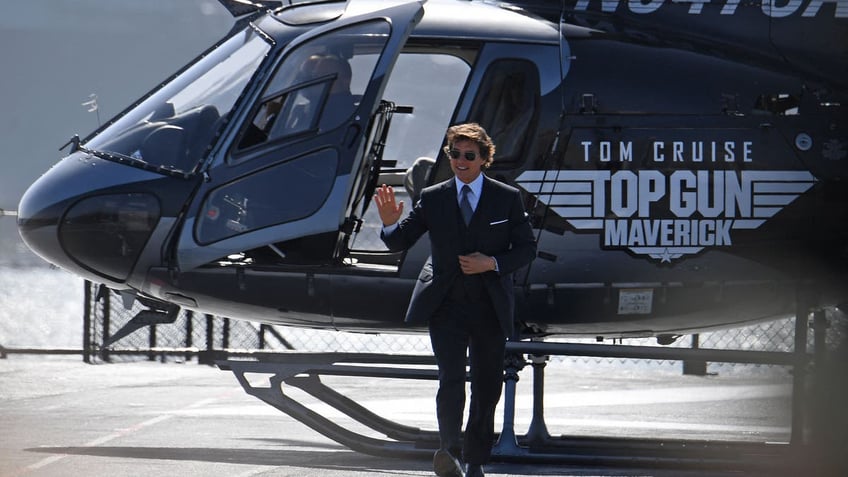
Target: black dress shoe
{"x": 446, "y": 465}
{"x": 474, "y": 470}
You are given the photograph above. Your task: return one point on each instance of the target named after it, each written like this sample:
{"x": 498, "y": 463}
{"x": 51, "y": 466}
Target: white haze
{"x": 40, "y": 307}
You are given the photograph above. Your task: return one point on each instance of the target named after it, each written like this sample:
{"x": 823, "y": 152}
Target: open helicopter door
{"x": 296, "y": 162}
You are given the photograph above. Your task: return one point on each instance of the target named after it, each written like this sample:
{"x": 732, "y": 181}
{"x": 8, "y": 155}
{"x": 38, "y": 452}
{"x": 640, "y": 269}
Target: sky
{"x": 56, "y": 53}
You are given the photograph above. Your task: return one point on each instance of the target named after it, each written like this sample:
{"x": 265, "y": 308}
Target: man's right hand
{"x": 390, "y": 211}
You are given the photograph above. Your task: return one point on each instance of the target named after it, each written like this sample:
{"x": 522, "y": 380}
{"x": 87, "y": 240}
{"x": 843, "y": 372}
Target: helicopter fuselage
{"x": 676, "y": 182}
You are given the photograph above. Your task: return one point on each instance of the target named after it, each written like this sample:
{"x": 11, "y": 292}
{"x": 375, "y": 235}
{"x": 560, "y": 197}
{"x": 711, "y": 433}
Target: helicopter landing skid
{"x": 304, "y": 371}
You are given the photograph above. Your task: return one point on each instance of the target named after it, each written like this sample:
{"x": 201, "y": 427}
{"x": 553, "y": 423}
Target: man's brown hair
{"x": 472, "y": 132}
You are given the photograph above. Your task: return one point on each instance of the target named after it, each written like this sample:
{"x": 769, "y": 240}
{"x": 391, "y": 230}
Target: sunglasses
{"x": 468, "y": 155}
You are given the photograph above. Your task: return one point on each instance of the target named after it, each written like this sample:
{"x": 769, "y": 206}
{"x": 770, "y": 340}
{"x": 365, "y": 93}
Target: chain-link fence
{"x": 206, "y": 335}
{"x": 193, "y": 334}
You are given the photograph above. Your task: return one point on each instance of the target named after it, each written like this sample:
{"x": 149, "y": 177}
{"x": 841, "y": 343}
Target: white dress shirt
{"x": 476, "y": 189}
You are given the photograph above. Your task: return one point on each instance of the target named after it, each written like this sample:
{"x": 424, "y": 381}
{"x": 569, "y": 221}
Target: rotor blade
{"x": 238, "y": 8}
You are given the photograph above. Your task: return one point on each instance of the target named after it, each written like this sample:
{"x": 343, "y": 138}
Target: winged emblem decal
{"x": 665, "y": 215}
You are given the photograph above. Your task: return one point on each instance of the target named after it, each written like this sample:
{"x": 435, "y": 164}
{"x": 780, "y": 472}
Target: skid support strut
{"x": 304, "y": 371}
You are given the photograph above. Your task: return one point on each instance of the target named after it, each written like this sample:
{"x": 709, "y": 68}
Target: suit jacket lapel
{"x": 451, "y": 207}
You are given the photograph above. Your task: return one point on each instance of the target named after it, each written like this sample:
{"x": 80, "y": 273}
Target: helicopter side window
{"x": 318, "y": 85}
{"x": 506, "y": 105}
{"x": 233, "y": 209}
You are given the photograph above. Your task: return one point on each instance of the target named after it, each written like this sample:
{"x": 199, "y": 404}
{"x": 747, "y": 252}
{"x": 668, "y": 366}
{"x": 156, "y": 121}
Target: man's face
{"x": 465, "y": 170}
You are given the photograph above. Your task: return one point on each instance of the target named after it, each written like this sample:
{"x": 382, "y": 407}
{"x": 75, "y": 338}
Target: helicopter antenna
{"x": 562, "y": 66}
{"x": 92, "y": 106}
{"x": 8, "y": 213}
{"x": 555, "y": 144}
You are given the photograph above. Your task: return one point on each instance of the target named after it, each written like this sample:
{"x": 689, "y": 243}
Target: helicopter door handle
{"x": 588, "y": 103}
{"x": 350, "y": 136}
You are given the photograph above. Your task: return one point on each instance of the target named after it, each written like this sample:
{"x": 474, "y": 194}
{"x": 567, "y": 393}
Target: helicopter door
{"x": 298, "y": 163}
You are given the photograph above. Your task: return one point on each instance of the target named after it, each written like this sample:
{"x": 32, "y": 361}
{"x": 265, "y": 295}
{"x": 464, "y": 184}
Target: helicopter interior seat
{"x": 164, "y": 146}
{"x": 416, "y": 177}
{"x": 179, "y": 141}
{"x": 509, "y": 130}
{"x": 199, "y": 125}
{"x": 507, "y": 108}
{"x": 298, "y": 115}
{"x": 294, "y": 116}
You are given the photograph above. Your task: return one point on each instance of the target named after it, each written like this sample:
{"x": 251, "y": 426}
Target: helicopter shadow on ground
{"x": 289, "y": 453}
{"x": 337, "y": 458}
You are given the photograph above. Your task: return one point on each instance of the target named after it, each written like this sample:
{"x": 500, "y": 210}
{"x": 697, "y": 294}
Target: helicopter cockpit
{"x": 174, "y": 128}
{"x": 266, "y": 149}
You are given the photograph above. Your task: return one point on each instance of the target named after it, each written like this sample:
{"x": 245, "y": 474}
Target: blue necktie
{"x": 465, "y": 204}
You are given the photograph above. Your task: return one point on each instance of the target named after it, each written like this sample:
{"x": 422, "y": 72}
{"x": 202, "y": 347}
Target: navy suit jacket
{"x": 498, "y": 228}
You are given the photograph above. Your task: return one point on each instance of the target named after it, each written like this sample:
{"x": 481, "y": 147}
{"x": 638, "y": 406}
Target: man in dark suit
{"x": 479, "y": 235}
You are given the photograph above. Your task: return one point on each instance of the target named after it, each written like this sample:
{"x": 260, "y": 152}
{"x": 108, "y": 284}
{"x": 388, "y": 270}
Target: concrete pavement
{"x": 59, "y": 416}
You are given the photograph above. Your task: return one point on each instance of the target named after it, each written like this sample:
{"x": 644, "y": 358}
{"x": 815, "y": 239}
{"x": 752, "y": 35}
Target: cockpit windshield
{"x": 173, "y": 128}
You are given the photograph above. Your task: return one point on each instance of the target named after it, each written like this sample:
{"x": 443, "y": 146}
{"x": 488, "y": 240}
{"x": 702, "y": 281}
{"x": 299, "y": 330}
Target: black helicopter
{"x": 684, "y": 163}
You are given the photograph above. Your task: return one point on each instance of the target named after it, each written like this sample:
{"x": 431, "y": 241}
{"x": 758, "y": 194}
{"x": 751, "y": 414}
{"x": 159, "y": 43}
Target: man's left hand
{"x": 476, "y": 263}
